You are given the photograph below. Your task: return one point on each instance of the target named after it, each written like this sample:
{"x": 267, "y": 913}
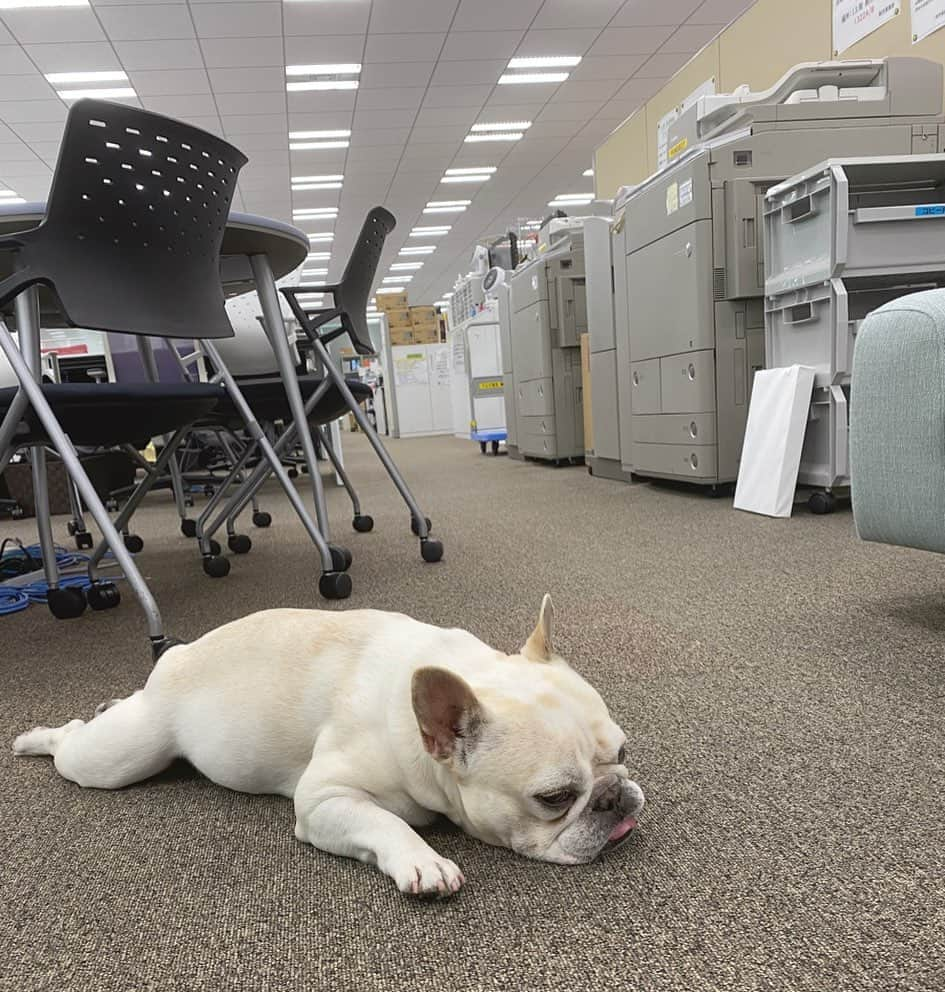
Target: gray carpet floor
{"x": 781, "y": 684}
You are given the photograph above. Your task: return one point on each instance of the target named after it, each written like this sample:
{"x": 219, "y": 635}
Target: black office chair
{"x": 131, "y": 243}
{"x": 350, "y": 300}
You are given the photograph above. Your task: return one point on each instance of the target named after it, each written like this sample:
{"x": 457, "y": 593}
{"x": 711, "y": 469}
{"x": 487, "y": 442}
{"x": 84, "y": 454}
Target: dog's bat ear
{"x": 538, "y": 647}
{"x": 448, "y": 713}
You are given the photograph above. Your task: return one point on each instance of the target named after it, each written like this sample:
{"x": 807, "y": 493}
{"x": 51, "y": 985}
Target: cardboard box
{"x": 423, "y": 315}
{"x": 391, "y": 301}
{"x": 586, "y": 392}
{"x": 426, "y": 333}
{"x": 401, "y": 335}
{"x": 399, "y": 318}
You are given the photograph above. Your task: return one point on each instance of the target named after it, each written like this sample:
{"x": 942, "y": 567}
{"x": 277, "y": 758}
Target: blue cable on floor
{"x": 12, "y": 601}
{"x": 16, "y": 598}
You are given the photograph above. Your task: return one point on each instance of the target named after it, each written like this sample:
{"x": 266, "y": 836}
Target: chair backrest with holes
{"x": 134, "y": 223}
{"x": 355, "y": 287}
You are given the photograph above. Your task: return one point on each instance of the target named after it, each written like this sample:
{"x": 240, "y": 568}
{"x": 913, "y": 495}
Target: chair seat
{"x": 267, "y": 400}
{"x": 111, "y": 413}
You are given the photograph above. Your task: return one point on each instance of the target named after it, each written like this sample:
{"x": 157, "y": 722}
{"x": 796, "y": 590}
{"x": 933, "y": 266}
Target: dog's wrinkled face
{"x": 538, "y": 764}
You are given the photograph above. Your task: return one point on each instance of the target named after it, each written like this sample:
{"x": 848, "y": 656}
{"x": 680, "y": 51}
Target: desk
{"x": 255, "y": 252}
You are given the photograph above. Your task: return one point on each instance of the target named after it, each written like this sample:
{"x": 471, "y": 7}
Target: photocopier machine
{"x": 673, "y": 358}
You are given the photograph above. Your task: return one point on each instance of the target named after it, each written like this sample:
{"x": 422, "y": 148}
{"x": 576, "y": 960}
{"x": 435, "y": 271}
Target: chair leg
{"x": 67, "y": 452}
{"x": 430, "y": 550}
{"x": 275, "y": 329}
{"x": 334, "y": 584}
{"x": 342, "y": 474}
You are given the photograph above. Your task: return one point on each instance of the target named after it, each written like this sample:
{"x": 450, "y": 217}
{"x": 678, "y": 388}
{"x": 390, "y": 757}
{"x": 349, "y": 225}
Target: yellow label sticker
{"x": 672, "y": 198}
{"x": 495, "y": 384}
{"x": 678, "y": 148}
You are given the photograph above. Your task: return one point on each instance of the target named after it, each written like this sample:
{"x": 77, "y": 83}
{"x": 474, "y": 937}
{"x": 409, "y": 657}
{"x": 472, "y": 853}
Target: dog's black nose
{"x": 608, "y": 798}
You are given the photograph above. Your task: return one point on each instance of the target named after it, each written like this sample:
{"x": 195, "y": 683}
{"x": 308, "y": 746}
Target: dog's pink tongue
{"x": 623, "y": 828}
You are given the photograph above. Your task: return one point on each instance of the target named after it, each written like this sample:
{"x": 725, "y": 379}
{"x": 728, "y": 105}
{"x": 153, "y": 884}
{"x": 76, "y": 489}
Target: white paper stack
{"x": 774, "y": 438}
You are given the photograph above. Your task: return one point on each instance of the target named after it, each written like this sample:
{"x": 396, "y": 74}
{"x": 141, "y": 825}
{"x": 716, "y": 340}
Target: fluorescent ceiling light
{"x": 319, "y": 255}
{"x": 475, "y": 170}
{"x": 7, "y": 192}
{"x": 498, "y": 136}
{"x": 570, "y": 203}
{"x": 315, "y": 212}
{"x": 314, "y": 272}
{"x": 418, "y": 250}
{"x": 532, "y": 77}
{"x": 441, "y": 303}
{"x": 564, "y": 197}
{"x": 433, "y": 232}
{"x": 303, "y": 187}
{"x": 390, "y": 289}
{"x": 388, "y": 279}
{"x": 545, "y": 62}
{"x": 12, "y": 199}
{"x": 503, "y": 126}
{"x": 405, "y": 266}
{"x": 443, "y": 210}
{"x": 25, "y": 4}
{"x": 588, "y": 172}
{"x": 306, "y": 146}
{"x": 466, "y": 179}
{"x": 322, "y": 84}
{"x": 317, "y": 179}
{"x": 115, "y": 76}
{"x": 449, "y": 203}
{"x": 325, "y": 236}
{"x": 331, "y": 69}
{"x": 113, "y": 93}
{"x": 447, "y": 296}
{"x": 305, "y": 135}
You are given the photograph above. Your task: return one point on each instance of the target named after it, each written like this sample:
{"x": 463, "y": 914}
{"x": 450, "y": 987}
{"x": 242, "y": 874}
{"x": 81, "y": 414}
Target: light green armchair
{"x": 897, "y": 423}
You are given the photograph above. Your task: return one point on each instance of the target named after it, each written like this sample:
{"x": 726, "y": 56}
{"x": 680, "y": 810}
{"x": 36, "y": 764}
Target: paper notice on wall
{"x": 440, "y": 366}
{"x": 411, "y": 370}
{"x": 672, "y": 198}
{"x": 662, "y": 137}
{"x": 853, "y": 20}
{"x": 459, "y": 354}
{"x": 927, "y": 17}
{"x": 685, "y": 193}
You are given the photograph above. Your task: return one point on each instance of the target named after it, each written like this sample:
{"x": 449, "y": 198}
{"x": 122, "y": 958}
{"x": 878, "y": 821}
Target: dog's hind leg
{"x": 126, "y": 743}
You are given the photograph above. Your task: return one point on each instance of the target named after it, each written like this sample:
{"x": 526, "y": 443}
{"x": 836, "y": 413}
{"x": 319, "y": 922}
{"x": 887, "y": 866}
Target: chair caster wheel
{"x": 821, "y": 503}
{"x": 340, "y": 558}
{"x": 262, "y": 519}
{"x": 188, "y": 528}
{"x": 215, "y": 548}
{"x": 216, "y": 566}
{"x": 335, "y": 585}
{"x": 239, "y": 544}
{"x": 71, "y": 528}
{"x": 363, "y": 523}
{"x": 416, "y": 529}
{"x": 66, "y": 604}
{"x": 133, "y": 543}
{"x": 431, "y": 550}
{"x": 83, "y": 540}
{"x": 293, "y": 473}
{"x": 103, "y": 596}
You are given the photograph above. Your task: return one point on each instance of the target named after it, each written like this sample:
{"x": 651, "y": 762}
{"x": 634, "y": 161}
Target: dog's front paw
{"x": 428, "y": 875}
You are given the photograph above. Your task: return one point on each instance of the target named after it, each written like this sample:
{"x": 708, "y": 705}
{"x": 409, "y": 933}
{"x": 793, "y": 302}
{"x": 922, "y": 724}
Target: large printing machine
{"x": 685, "y": 258}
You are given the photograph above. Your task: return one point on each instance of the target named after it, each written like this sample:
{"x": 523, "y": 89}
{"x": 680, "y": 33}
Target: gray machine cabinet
{"x": 504, "y": 299}
{"x": 604, "y": 405}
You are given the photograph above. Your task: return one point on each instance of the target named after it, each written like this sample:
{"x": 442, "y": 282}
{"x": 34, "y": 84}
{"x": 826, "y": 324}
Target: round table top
{"x": 245, "y": 235}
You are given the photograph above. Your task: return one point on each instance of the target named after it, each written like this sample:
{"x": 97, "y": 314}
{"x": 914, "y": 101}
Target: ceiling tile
{"x": 270, "y": 79}
{"x": 551, "y": 128}
{"x": 239, "y": 20}
{"x": 224, "y": 53}
{"x": 720, "y": 11}
{"x": 256, "y": 142}
{"x": 29, "y": 87}
{"x": 463, "y": 45}
{"x": 403, "y": 47}
{"x": 325, "y": 17}
{"x": 395, "y": 136}
{"x": 251, "y": 103}
{"x": 642, "y": 13}
{"x": 663, "y": 65}
{"x": 368, "y": 165}
{"x": 313, "y": 50}
{"x": 597, "y": 89}
{"x": 439, "y": 134}
{"x": 254, "y": 124}
{"x": 494, "y": 113}
{"x": 568, "y": 14}
{"x": 690, "y": 38}
{"x": 333, "y": 120}
{"x": 33, "y": 110}
{"x": 638, "y": 90}
{"x": 392, "y": 16}
{"x": 510, "y": 96}
{"x": 457, "y": 96}
{"x": 159, "y": 54}
{"x": 186, "y": 106}
{"x": 165, "y": 83}
{"x": 381, "y": 74}
{"x": 618, "y": 67}
{"x": 555, "y": 42}
{"x": 11, "y": 154}
{"x": 467, "y": 73}
{"x": 563, "y": 111}
{"x": 14, "y": 61}
{"x": 447, "y": 116}
{"x": 393, "y": 98}
{"x": 69, "y": 24}
{"x": 146, "y": 22}
{"x": 82, "y": 57}
{"x": 333, "y": 100}
{"x": 383, "y": 118}
{"x": 630, "y": 41}
{"x": 488, "y": 15}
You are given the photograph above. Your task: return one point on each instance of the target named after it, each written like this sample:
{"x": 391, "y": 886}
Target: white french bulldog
{"x": 374, "y": 723}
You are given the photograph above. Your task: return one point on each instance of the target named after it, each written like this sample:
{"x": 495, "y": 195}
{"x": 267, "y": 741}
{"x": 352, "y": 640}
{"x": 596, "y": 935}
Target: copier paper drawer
{"x": 687, "y": 383}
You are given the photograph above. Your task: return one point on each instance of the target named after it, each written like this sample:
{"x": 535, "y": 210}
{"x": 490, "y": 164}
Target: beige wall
{"x": 757, "y": 49}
